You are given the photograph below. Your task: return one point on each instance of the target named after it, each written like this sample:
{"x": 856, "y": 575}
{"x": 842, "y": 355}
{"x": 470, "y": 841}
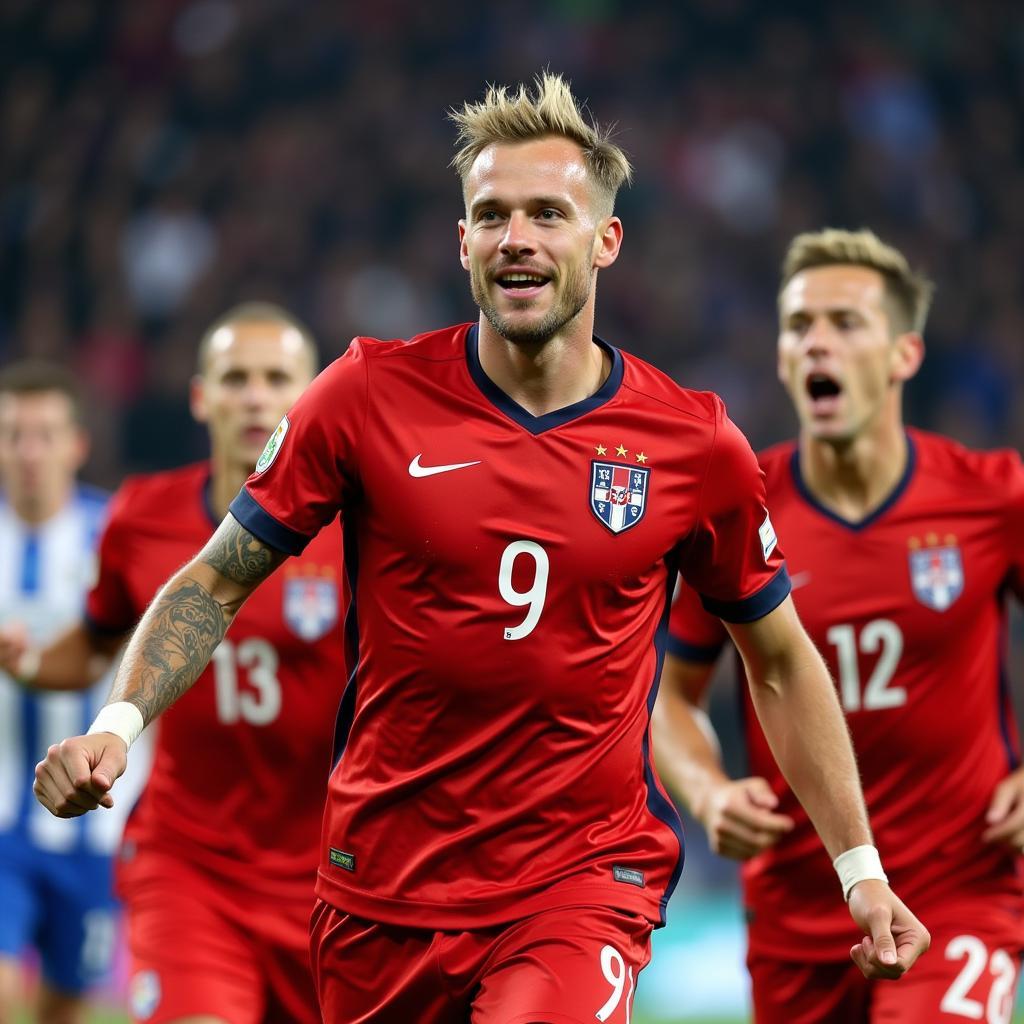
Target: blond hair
{"x": 504, "y": 117}
{"x": 908, "y": 293}
{"x": 255, "y": 313}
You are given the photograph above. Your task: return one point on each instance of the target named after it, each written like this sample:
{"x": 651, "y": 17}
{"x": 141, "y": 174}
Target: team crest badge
{"x": 310, "y": 605}
{"x": 937, "y": 575}
{"x": 618, "y": 494}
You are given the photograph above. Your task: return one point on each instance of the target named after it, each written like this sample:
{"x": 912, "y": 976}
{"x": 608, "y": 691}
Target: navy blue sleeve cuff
{"x": 265, "y": 527}
{"x": 704, "y": 654}
{"x": 701, "y": 653}
{"x": 755, "y": 607}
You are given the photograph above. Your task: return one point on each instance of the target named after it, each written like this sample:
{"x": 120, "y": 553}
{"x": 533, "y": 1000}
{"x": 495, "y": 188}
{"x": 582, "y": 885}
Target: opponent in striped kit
{"x": 55, "y": 876}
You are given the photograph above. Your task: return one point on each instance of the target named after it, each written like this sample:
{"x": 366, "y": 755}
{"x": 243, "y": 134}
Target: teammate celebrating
{"x": 902, "y": 547}
{"x": 55, "y": 876}
{"x": 517, "y": 496}
{"x": 220, "y": 855}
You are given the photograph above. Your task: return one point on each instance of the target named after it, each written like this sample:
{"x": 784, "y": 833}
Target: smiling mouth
{"x": 521, "y": 282}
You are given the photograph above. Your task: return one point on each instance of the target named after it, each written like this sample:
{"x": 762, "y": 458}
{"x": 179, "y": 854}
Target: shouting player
{"x": 219, "y": 857}
{"x": 55, "y": 876}
{"x": 902, "y": 547}
{"x": 517, "y": 497}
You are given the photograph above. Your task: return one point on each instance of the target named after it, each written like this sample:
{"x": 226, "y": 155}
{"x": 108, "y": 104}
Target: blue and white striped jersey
{"x": 45, "y": 573}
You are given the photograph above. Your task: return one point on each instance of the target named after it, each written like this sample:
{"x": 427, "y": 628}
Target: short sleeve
{"x": 309, "y": 469}
{"x": 108, "y": 606}
{"x": 732, "y": 558}
{"x": 694, "y": 634}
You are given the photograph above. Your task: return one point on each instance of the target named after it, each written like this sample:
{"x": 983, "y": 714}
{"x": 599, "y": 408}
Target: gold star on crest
{"x": 621, "y": 451}
{"x": 601, "y": 450}
{"x": 641, "y": 458}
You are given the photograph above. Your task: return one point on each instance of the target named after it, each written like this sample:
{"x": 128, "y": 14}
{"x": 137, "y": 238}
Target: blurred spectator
{"x": 185, "y": 153}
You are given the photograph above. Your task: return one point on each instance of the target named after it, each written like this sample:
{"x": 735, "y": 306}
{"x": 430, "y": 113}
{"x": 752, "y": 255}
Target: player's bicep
{"x": 774, "y": 647}
{"x": 241, "y": 561}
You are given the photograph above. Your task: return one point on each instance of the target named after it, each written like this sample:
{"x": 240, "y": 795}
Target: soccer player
{"x": 55, "y": 876}
{"x": 517, "y": 497}
{"x": 219, "y": 858}
{"x": 902, "y": 548}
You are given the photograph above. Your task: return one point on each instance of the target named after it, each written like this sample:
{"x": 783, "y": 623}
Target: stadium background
{"x": 162, "y": 159}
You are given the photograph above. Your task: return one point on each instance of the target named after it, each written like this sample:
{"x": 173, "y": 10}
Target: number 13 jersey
{"x": 510, "y": 577}
{"x": 224, "y": 790}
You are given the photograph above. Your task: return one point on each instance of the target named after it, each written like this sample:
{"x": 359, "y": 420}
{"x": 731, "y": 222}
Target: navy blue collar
{"x": 514, "y": 411}
{"x": 894, "y": 495}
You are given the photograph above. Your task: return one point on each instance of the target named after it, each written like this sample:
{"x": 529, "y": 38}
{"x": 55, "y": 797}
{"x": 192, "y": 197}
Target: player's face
{"x": 533, "y": 236}
{"x": 837, "y": 355}
{"x": 42, "y": 447}
{"x": 254, "y": 373}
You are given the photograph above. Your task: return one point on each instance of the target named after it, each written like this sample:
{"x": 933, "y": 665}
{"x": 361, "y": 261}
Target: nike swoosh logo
{"x": 415, "y": 469}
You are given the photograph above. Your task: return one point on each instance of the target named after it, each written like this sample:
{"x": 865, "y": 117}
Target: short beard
{"x": 577, "y": 292}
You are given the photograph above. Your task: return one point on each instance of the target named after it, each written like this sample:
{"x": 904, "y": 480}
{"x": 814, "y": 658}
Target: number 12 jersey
{"x": 908, "y": 608}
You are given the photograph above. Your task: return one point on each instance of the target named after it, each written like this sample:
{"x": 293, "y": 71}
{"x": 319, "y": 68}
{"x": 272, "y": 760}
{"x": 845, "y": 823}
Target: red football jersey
{"x": 908, "y": 607}
{"x": 242, "y": 759}
{"x": 511, "y": 579}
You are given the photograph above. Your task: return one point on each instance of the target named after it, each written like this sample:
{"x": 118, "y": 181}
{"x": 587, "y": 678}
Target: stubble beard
{"x": 577, "y": 291}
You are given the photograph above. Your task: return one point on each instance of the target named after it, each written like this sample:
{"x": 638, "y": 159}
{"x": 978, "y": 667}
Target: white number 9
{"x": 534, "y": 597}
{"x": 617, "y": 978}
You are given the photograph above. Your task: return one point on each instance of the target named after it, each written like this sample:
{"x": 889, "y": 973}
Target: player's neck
{"x": 549, "y": 375}
{"x": 855, "y": 479}
{"x": 226, "y": 481}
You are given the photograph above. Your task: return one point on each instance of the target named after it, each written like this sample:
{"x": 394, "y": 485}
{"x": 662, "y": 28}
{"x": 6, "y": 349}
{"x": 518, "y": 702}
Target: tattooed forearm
{"x": 239, "y": 556}
{"x": 171, "y": 648}
{"x": 180, "y": 631}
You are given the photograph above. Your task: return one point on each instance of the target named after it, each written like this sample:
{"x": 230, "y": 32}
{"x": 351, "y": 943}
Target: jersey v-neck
{"x": 558, "y": 417}
{"x": 861, "y": 524}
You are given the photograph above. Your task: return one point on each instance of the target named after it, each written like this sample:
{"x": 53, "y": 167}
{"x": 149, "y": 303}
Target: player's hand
{"x": 893, "y": 936}
{"x": 1005, "y": 815}
{"x": 76, "y": 775}
{"x": 13, "y": 645}
{"x": 740, "y": 820}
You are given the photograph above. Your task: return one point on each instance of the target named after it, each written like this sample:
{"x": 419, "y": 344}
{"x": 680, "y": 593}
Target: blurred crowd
{"x": 165, "y": 158}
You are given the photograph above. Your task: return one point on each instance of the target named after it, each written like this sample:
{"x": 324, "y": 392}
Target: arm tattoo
{"x": 239, "y": 556}
{"x": 181, "y": 630}
{"x": 186, "y": 622}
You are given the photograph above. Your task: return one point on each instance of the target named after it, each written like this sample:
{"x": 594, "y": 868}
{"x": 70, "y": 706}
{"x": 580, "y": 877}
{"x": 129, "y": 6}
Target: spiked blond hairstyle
{"x": 908, "y": 293}
{"x": 504, "y": 116}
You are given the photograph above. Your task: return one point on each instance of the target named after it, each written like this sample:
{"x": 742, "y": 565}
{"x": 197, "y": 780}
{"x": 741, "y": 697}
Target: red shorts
{"x": 198, "y": 947}
{"x": 969, "y": 973}
{"x": 573, "y": 965}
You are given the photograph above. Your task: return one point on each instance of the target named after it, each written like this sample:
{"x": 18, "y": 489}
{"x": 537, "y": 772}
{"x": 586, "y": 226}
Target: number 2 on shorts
{"x": 999, "y": 1006}
{"x": 615, "y": 972}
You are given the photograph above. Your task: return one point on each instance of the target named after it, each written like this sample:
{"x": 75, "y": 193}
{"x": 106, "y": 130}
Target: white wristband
{"x": 26, "y": 668}
{"x": 122, "y": 719}
{"x": 857, "y": 865}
